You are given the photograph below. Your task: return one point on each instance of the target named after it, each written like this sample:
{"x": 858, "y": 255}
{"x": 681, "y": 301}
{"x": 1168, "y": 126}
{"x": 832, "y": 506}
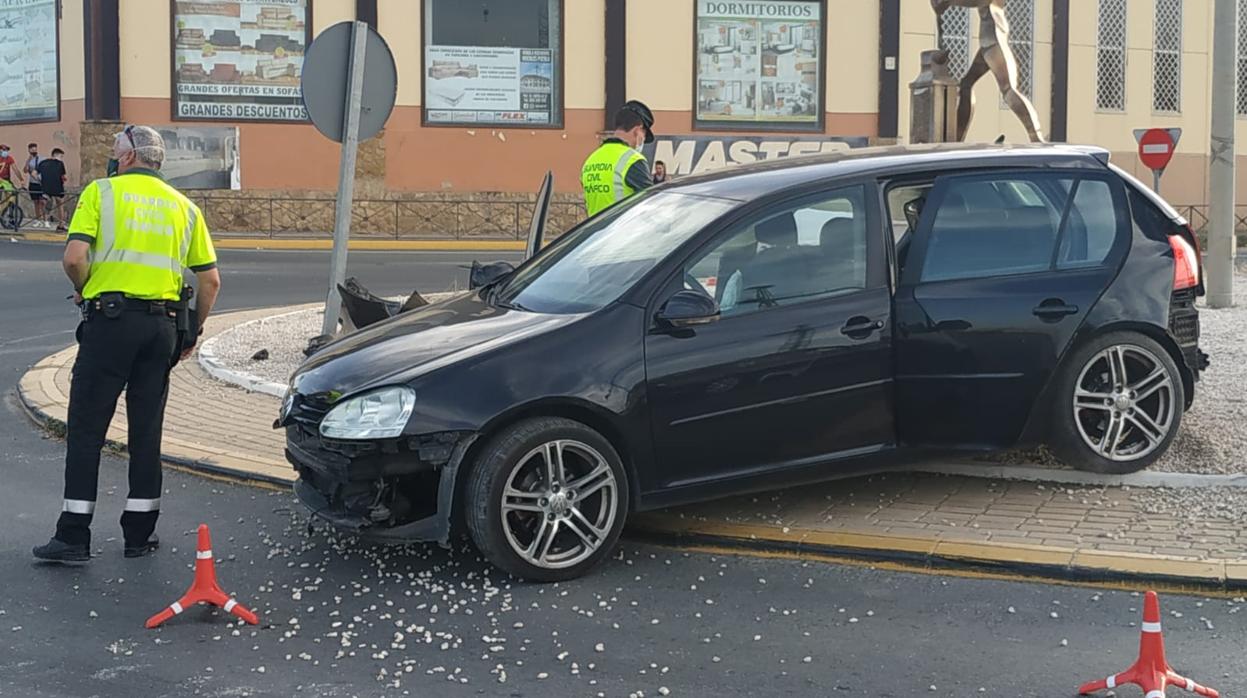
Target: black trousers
{"x": 133, "y": 352}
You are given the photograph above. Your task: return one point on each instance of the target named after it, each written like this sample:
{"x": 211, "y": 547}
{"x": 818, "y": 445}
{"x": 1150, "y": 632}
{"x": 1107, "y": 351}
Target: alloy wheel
{"x": 559, "y": 504}
{"x": 1124, "y": 402}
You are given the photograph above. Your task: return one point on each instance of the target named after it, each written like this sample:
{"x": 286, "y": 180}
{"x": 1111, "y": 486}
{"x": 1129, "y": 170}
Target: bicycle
{"x": 11, "y": 213}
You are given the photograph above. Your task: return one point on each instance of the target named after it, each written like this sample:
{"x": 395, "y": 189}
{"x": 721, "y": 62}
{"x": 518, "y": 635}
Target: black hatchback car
{"x": 758, "y": 328}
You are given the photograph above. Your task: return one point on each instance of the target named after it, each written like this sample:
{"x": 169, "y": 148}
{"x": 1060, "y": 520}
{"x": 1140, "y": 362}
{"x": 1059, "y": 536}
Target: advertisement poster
{"x": 239, "y": 60}
{"x": 479, "y": 84}
{"x": 28, "y": 50}
{"x": 759, "y": 62}
{"x": 201, "y": 157}
{"x": 684, "y": 155}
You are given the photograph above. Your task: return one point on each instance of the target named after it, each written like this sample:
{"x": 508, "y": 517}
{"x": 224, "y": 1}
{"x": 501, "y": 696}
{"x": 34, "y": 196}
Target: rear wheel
{"x": 546, "y": 499}
{"x": 1118, "y": 404}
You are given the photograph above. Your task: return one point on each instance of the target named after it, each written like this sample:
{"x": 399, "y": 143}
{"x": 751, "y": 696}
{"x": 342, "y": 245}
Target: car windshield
{"x": 593, "y": 265}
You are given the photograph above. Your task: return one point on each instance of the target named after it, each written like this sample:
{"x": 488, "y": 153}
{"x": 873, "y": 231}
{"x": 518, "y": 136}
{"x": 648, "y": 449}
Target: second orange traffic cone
{"x": 205, "y": 588}
{"x": 1151, "y": 672}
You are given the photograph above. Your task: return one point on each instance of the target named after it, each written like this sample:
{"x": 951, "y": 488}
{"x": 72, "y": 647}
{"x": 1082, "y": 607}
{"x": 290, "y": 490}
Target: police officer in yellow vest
{"x": 130, "y": 239}
{"x": 617, "y": 170}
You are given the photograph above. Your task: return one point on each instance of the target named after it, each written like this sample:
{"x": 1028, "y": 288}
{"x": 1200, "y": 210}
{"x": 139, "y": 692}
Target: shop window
{"x": 29, "y": 80}
{"x": 240, "y": 60}
{"x": 493, "y": 62}
{"x": 759, "y": 65}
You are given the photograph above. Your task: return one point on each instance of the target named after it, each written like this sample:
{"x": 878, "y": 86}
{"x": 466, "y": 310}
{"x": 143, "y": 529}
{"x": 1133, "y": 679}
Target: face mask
{"x": 112, "y": 166}
{"x": 4, "y": 153}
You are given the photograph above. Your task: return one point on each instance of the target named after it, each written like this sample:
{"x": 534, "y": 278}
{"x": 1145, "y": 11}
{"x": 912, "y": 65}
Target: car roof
{"x": 752, "y": 181}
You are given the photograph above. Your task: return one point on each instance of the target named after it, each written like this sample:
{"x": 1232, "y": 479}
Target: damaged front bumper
{"x": 397, "y": 490}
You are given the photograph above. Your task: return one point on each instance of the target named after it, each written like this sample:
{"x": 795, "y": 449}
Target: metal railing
{"x": 437, "y": 217}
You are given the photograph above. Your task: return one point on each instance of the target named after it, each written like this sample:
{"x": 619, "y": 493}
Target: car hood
{"x": 416, "y": 342}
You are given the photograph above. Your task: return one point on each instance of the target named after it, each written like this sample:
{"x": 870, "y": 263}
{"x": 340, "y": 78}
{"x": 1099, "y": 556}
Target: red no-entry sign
{"x": 1156, "y": 148}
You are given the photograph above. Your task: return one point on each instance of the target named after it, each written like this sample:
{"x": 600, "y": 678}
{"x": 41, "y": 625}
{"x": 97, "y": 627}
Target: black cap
{"x": 647, "y": 117}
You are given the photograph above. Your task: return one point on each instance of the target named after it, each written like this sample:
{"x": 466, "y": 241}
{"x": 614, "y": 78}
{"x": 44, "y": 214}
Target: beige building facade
{"x": 739, "y": 79}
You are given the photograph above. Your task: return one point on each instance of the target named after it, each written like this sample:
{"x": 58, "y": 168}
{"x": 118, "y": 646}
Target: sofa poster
{"x": 236, "y": 60}
{"x": 201, "y": 157}
{"x": 684, "y": 155}
{"x": 488, "y": 85}
{"x": 759, "y": 61}
{"x": 28, "y": 67}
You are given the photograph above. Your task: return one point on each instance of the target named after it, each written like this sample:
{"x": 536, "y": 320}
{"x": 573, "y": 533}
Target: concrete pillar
{"x": 933, "y": 101}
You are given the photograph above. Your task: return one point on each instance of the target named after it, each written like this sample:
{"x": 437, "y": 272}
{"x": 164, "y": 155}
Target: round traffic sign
{"x": 1156, "y": 148}
{"x": 327, "y": 76}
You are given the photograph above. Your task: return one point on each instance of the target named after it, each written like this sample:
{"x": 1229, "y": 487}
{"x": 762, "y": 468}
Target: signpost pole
{"x": 346, "y": 177}
{"x": 1220, "y": 261}
{"x": 1156, "y": 180}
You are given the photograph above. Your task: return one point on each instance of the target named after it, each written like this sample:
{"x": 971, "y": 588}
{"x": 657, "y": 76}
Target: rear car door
{"x": 1001, "y": 273}
{"x": 797, "y": 370}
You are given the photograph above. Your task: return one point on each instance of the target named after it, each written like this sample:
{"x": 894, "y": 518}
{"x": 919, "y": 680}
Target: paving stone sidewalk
{"x": 221, "y": 428}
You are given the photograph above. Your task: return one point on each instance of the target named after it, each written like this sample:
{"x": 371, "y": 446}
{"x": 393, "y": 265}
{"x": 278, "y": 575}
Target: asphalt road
{"x": 651, "y": 619}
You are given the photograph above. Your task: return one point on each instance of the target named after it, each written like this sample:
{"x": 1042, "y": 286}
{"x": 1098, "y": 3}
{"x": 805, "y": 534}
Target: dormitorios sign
{"x": 29, "y": 87}
{"x": 759, "y": 63}
{"x": 694, "y": 154}
{"x": 239, "y": 60}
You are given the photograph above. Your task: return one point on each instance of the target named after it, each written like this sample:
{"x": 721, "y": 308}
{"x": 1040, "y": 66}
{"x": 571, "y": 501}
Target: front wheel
{"x": 1118, "y": 404}
{"x": 546, "y": 499}
{"x": 12, "y": 217}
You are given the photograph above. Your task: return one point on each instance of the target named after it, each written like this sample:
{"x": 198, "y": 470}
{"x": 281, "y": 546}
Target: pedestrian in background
{"x": 34, "y": 187}
{"x": 52, "y": 177}
{"x": 130, "y": 239}
{"x": 8, "y": 168}
{"x": 617, "y": 169}
{"x": 660, "y": 172}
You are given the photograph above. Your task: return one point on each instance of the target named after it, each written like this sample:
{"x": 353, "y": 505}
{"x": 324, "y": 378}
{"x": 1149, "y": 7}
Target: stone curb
{"x": 1049, "y": 562}
{"x": 213, "y": 366}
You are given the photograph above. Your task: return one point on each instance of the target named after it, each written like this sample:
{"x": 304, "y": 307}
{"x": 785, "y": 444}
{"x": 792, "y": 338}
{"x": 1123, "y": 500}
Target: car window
{"x": 1092, "y": 227}
{"x": 594, "y": 264}
{"x": 787, "y": 255}
{"x": 993, "y": 225}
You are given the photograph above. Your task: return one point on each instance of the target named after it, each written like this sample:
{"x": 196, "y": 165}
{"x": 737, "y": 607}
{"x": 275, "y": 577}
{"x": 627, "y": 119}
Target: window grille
{"x": 1021, "y": 17}
{"x": 1110, "y": 84}
{"x": 955, "y": 39}
{"x": 1242, "y": 57}
{"x": 1167, "y": 57}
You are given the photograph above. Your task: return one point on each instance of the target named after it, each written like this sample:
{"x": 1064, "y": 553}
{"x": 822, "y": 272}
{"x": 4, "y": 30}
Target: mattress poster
{"x": 236, "y": 60}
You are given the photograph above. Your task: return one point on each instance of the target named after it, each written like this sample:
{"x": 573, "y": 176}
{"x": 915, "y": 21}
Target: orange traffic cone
{"x": 1150, "y": 671}
{"x": 204, "y": 589}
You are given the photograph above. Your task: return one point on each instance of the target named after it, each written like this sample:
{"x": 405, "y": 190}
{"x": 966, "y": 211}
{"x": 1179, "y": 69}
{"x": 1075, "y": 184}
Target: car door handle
{"x": 860, "y": 326}
{"x": 1054, "y": 308}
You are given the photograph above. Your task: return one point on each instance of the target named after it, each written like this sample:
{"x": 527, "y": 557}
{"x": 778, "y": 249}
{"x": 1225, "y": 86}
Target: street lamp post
{"x": 1220, "y": 261}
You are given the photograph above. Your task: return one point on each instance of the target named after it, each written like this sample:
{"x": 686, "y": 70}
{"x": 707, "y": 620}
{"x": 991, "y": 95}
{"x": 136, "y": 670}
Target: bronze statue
{"x": 994, "y": 55}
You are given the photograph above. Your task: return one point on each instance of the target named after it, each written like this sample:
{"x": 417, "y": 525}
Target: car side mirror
{"x": 688, "y": 309}
{"x": 485, "y": 274}
{"x": 913, "y": 211}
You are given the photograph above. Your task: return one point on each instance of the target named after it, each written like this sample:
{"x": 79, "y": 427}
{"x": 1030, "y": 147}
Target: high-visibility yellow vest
{"x": 603, "y": 175}
{"x": 142, "y": 233}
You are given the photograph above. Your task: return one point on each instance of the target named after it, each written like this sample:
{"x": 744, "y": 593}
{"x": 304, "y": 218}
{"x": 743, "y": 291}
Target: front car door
{"x": 1001, "y": 272}
{"x": 797, "y": 370}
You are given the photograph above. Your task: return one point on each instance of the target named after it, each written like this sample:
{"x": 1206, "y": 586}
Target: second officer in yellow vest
{"x": 617, "y": 170}
{"x": 130, "y": 239}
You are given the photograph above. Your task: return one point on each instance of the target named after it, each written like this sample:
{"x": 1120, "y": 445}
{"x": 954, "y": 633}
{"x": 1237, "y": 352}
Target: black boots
{"x": 59, "y": 551}
{"x": 143, "y": 548}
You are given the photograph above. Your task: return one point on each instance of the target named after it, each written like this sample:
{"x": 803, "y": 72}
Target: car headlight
{"x": 381, "y": 414}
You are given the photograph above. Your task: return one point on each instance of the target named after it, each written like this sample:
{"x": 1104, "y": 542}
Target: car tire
{"x": 512, "y": 506}
{"x": 1117, "y": 405}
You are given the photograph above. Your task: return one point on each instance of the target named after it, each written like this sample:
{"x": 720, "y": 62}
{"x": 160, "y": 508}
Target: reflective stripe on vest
{"x": 605, "y": 173}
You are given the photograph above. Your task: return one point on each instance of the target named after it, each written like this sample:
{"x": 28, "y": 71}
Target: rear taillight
{"x": 1185, "y": 263}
